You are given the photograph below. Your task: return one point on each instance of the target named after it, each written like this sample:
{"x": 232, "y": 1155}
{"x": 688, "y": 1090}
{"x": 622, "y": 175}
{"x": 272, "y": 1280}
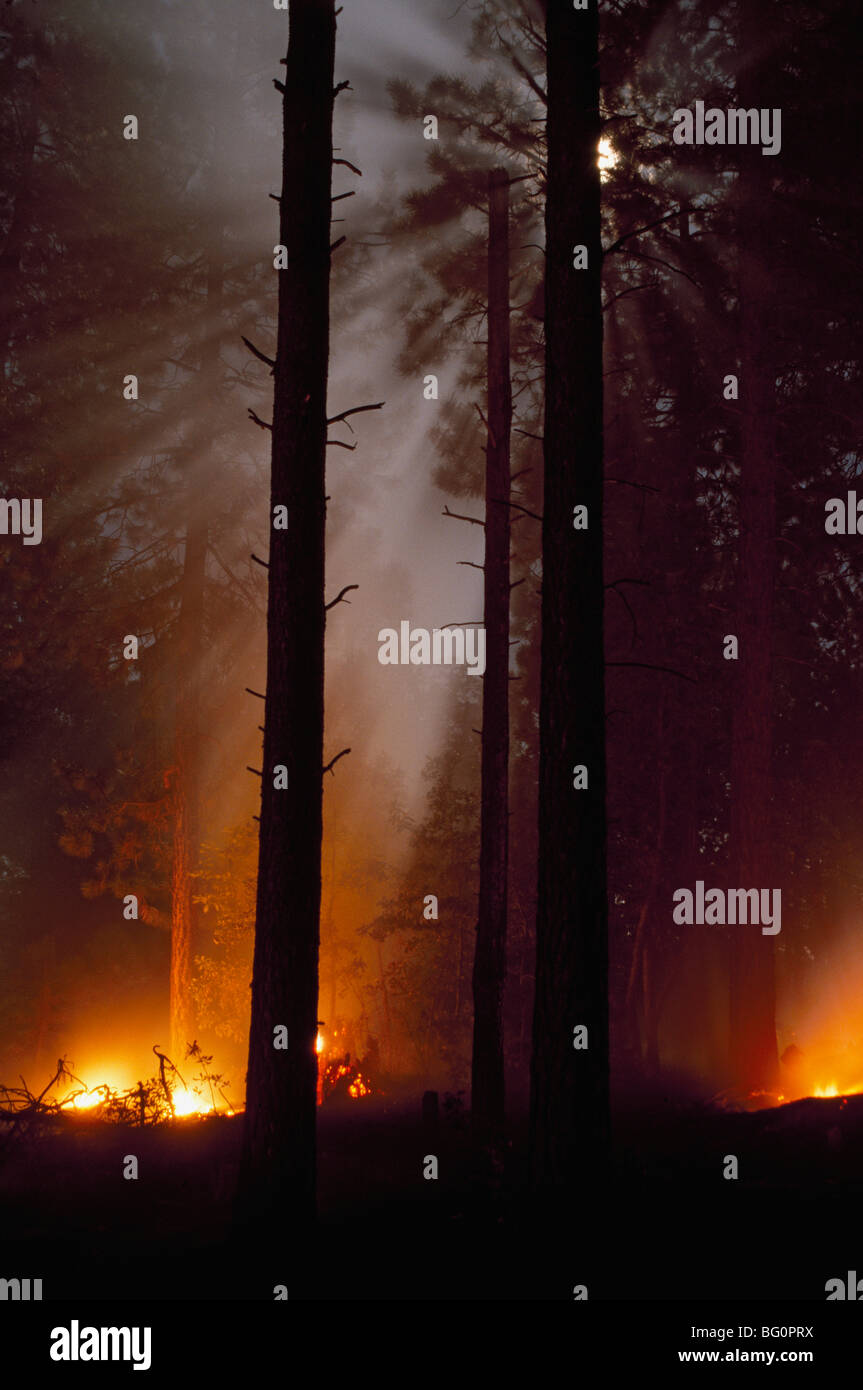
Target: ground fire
{"x": 163, "y": 1097}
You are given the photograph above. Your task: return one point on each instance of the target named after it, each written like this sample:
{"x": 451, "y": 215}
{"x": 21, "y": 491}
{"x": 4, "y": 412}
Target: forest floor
{"x": 669, "y": 1225}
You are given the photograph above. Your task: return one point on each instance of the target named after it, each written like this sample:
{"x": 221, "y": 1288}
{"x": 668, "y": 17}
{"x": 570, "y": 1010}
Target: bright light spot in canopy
{"x": 607, "y": 158}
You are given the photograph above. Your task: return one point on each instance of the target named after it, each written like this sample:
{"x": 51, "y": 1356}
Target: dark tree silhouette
{"x": 752, "y": 1021}
{"x": 489, "y": 970}
{"x": 278, "y": 1168}
{"x": 569, "y": 1090}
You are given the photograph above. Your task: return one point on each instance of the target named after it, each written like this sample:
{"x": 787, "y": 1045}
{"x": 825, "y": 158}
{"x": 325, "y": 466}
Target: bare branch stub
{"x": 334, "y": 245}
{"x": 338, "y": 197}
{"x": 340, "y": 444}
{"x": 626, "y": 482}
{"x": 516, "y": 507}
{"x": 628, "y": 606}
{"x": 254, "y": 770}
{"x": 331, "y": 764}
{"x": 647, "y": 666}
{"x": 340, "y": 598}
{"x": 355, "y": 410}
{"x": 258, "y": 561}
{"x": 347, "y": 163}
{"x": 256, "y": 419}
{"x": 474, "y": 520}
{"x": 261, "y": 356}
{"x": 257, "y": 694}
{"x": 342, "y": 87}
{"x": 488, "y": 427}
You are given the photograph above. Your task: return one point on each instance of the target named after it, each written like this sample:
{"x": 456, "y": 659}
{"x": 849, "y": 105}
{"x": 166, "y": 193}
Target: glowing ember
{"x": 319, "y": 1043}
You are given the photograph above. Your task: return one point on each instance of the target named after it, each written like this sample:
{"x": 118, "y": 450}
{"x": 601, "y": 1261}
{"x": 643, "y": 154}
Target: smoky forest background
{"x": 153, "y": 257}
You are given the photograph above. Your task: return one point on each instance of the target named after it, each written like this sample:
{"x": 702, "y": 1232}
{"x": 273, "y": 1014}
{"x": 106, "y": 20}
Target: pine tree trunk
{"x": 569, "y": 1088}
{"x": 752, "y": 1014}
{"x": 278, "y": 1169}
{"x": 186, "y": 783}
{"x": 187, "y": 777}
{"x": 754, "y": 1058}
{"x": 489, "y": 969}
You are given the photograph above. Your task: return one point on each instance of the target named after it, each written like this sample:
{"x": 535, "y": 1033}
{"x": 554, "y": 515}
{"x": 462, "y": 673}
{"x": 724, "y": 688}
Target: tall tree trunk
{"x": 489, "y": 967}
{"x": 569, "y": 1088}
{"x": 278, "y": 1169}
{"x": 185, "y": 915}
{"x": 752, "y": 1020}
{"x": 186, "y": 779}
{"x": 752, "y": 1014}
